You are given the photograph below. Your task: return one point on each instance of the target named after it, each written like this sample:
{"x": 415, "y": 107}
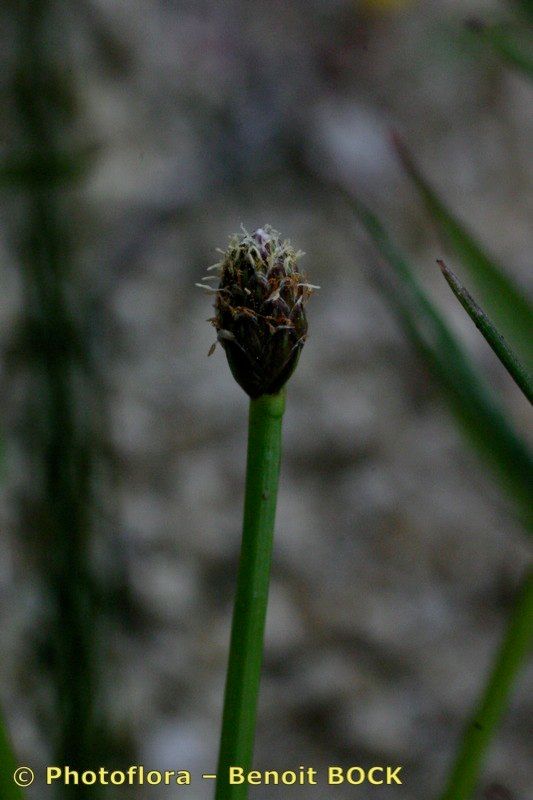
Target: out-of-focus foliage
{"x": 472, "y": 401}
{"x": 59, "y": 413}
{"x": 508, "y": 37}
{"x": 9, "y": 790}
{"x": 487, "y": 714}
{"x": 511, "y": 42}
{"x": 486, "y": 425}
{"x": 502, "y": 299}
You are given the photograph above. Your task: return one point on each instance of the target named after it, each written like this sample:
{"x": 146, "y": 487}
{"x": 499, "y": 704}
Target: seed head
{"x": 260, "y": 317}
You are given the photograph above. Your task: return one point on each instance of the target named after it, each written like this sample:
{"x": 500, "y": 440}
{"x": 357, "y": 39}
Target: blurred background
{"x": 136, "y": 137}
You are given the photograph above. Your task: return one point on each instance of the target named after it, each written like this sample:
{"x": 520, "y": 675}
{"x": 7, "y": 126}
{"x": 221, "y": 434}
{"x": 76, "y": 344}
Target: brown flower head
{"x": 260, "y": 316}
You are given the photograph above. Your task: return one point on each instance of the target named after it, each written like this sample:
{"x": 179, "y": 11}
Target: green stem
{"x": 492, "y": 704}
{"x": 63, "y": 428}
{"x": 246, "y": 648}
{"x": 486, "y": 327}
{"x": 8, "y": 788}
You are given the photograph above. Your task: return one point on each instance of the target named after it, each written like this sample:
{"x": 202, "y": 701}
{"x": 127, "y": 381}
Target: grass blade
{"x": 511, "y": 49}
{"x": 471, "y": 400}
{"x": 525, "y": 9}
{"x": 480, "y": 730}
{"x": 498, "y": 293}
{"x": 511, "y": 42}
{"x": 487, "y": 329}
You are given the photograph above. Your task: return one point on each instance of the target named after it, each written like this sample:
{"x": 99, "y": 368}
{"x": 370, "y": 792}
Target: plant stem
{"x": 63, "y": 438}
{"x": 246, "y": 648}
{"x": 482, "y": 726}
{"x": 486, "y": 327}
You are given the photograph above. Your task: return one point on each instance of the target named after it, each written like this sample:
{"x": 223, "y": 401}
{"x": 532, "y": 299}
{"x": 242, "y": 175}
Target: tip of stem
{"x": 450, "y": 276}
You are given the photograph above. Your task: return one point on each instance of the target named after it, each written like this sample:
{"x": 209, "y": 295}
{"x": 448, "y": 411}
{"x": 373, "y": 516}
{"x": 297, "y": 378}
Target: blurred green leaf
{"x": 525, "y": 7}
{"x": 488, "y": 330}
{"x": 515, "y": 47}
{"x": 8, "y": 788}
{"x": 486, "y": 716}
{"x": 513, "y": 43}
{"x": 43, "y": 169}
{"x": 499, "y": 295}
{"x": 471, "y": 400}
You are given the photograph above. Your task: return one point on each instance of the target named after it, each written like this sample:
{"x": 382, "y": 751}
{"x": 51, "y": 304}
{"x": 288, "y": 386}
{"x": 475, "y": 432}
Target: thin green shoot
{"x": 246, "y": 648}
{"x": 488, "y": 330}
{"x": 481, "y": 728}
